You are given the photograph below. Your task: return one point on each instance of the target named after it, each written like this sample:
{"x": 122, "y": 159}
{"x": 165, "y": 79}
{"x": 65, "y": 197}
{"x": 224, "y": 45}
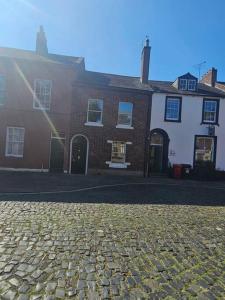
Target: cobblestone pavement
{"x": 111, "y": 251}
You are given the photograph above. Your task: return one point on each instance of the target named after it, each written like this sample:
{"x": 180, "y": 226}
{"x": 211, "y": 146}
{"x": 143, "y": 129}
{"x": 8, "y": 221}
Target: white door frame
{"x": 87, "y": 151}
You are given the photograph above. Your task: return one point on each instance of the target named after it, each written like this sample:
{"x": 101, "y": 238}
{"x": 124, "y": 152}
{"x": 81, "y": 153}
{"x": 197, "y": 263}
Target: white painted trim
{"x": 7, "y": 138}
{"x": 128, "y": 143}
{"x": 117, "y": 165}
{"x": 93, "y": 124}
{"x": 109, "y": 141}
{"x": 87, "y": 152}
{"x": 23, "y": 169}
{"x": 34, "y": 95}
{"x": 124, "y": 126}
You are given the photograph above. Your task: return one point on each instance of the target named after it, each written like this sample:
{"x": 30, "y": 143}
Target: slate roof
{"x": 112, "y": 80}
{"x": 32, "y": 55}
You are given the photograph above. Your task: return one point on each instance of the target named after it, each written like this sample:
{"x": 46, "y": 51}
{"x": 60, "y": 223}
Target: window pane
{"x": 156, "y": 139}
{"x": 95, "y": 105}
{"x": 94, "y": 116}
{"x": 15, "y": 141}
{"x": 204, "y": 149}
{"x": 125, "y": 113}
{"x": 118, "y": 152}
{"x": 210, "y": 109}
{"x": 172, "y": 109}
{"x": 124, "y": 119}
{"x": 125, "y": 107}
{"x": 191, "y": 85}
{"x": 42, "y": 94}
{"x": 183, "y": 84}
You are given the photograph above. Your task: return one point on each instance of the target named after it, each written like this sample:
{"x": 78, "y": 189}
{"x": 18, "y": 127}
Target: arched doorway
{"x": 158, "y": 152}
{"x": 79, "y": 147}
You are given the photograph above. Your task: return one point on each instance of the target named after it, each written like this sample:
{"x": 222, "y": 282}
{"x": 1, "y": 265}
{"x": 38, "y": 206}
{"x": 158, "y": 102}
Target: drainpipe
{"x": 147, "y": 136}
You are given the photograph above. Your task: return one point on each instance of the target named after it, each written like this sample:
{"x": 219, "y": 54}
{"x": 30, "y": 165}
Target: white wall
{"x": 182, "y": 135}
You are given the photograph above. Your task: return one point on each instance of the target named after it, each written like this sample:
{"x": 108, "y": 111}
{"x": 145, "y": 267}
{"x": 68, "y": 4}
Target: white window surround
{"x": 126, "y": 111}
{"x": 124, "y": 126}
{"x": 183, "y": 84}
{"x": 97, "y": 123}
{"x": 35, "y": 98}
{"x": 118, "y": 165}
{"x": 192, "y": 84}
{"x": 19, "y": 140}
{"x": 94, "y": 124}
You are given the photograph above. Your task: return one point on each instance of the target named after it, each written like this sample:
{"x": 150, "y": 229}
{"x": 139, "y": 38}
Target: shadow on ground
{"x": 140, "y": 193}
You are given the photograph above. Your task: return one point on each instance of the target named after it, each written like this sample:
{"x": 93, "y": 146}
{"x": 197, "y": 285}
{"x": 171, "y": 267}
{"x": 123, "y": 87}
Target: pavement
{"x": 111, "y": 238}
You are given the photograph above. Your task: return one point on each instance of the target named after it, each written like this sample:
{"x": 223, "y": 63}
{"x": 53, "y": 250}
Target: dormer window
{"x": 183, "y": 84}
{"x": 186, "y": 82}
{"x": 192, "y": 85}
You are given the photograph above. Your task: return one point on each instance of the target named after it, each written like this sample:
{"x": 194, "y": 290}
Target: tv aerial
{"x": 199, "y": 67}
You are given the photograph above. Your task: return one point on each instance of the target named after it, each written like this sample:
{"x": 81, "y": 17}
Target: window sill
{"x": 93, "y": 124}
{"x": 173, "y": 121}
{"x": 117, "y": 165}
{"x": 42, "y": 109}
{"x": 209, "y": 123}
{"x": 124, "y": 127}
{"x": 11, "y": 155}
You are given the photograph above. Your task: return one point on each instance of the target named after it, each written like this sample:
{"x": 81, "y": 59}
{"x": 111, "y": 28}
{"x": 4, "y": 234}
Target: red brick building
{"x": 55, "y": 115}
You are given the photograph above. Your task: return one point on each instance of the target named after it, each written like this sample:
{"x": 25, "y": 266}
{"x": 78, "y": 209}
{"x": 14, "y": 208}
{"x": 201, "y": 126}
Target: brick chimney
{"x": 41, "y": 42}
{"x": 145, "y": 59}
{"x": 210, "y": 77}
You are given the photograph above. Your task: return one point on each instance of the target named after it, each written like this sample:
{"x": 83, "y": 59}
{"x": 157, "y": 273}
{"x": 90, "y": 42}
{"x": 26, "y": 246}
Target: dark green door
{"x": 57, "y": 155}
{"x": 156, "y": 158}
{"x": 79, "y": 155}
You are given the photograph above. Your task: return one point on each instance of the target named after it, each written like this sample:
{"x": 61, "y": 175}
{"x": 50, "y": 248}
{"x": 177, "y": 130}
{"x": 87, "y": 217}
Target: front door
{"x": 79, "y": 155}
{"x": 156, "y": 158}
{"x": 57, "y": 155}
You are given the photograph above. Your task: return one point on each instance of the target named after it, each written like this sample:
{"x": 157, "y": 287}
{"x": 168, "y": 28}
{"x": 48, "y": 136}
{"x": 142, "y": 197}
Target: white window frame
{"x": 3, "y": 89}
{"x": 35, "y": 98}
{"x": 180, "y": 84}
{"x": 215, "y": 112}
{"x": 192, "y": 82}
{"x": 119, "y": 165}
{"x": 125, "y": 126}
{"x": 7, "y": 142}
{"x": 89, "y": 123}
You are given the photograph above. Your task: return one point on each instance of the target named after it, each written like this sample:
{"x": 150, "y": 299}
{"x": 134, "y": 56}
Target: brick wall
{"x": 99, "y": 149}
{"x": 18, "y": 110}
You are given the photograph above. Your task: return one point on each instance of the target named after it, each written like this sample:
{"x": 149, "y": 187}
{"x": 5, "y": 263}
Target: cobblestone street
{"x": 111, "y": 251}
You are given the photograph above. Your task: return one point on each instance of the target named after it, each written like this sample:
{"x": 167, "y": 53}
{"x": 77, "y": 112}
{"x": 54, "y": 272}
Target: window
{"x": 2, "y": 89}
{"x": 173, "y": 109}
{"x": 95, "y": 109}
{"x": 15, "y": 141}
{"x": 210, "y": 111}
{"x": 183, "y": 84}
{"x": 204, "y": 149}
{"x": 191, "y": 85}
{"x": 42, "y": 94}
{"x": 118, "y": 152}
{"x": 125, "y": 114}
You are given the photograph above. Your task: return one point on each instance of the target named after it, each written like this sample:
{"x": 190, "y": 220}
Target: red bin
{"x": 177, "y": 171}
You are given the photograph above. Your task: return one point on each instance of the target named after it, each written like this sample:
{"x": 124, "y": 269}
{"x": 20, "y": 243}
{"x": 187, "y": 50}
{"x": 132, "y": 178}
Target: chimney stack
{"x": 210, "y": 77}
{"x": 41, "y": 42}
{"x": 145, "y": 59}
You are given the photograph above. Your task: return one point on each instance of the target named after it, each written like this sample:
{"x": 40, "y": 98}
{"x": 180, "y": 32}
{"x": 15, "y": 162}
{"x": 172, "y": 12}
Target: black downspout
{"x": 147, "y": 137}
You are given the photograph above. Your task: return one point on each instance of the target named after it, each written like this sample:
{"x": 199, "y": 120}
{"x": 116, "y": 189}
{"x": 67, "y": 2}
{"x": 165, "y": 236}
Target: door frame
{"x": 50, "y": 150}
{"x": 71, "y": 149}
{"x": 165, "y": 146}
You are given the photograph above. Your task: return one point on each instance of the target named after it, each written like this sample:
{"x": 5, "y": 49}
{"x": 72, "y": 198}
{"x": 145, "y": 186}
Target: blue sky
{"x": 110, "y": 33}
